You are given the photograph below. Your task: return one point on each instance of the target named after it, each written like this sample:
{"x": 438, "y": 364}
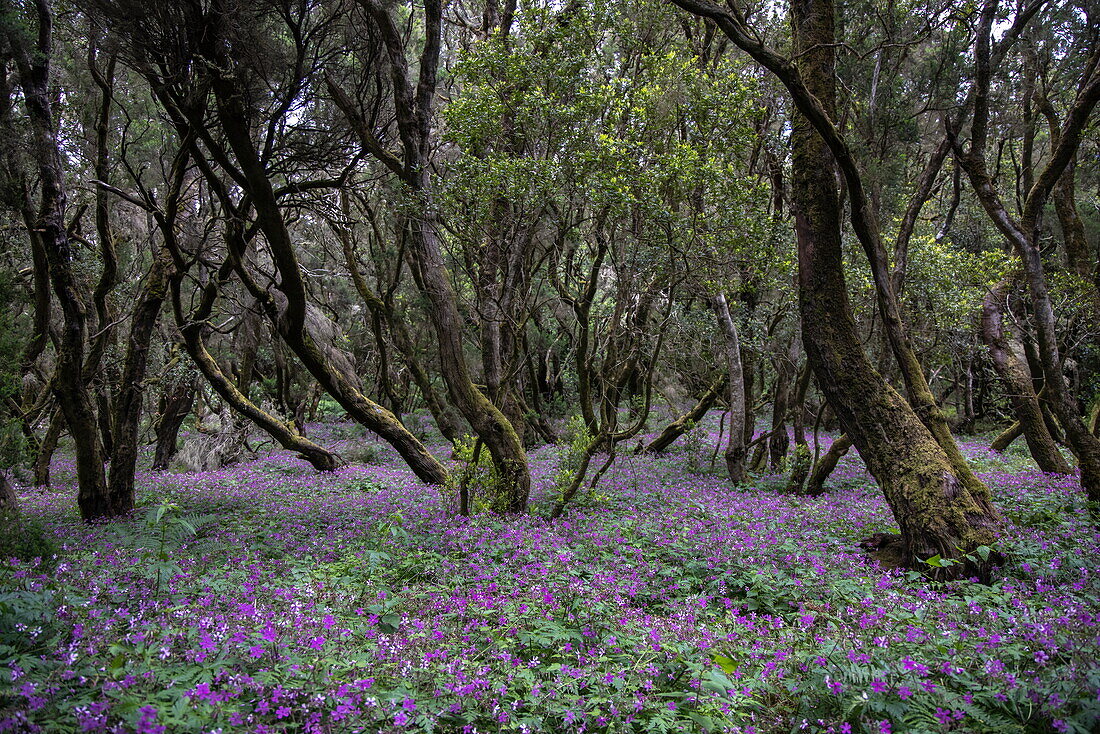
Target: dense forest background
{"x": 460, "y": 233}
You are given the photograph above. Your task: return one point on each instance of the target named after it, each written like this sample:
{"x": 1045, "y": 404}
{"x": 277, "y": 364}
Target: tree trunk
{"x": 684, "y": 423}
{"x": 72, "y": 393}
{"x": 735, "y": 446}
{"x": 779, "y": 441}
{"x": 193, "y": 341}
{"x": 126, "y": 419}
{"x": 46, "y": 448}
{"x": 1007, "y": 436}
{"x": 9, "y": 500}
{"x": 175, "y": 405}
{"x": 1024, "y": 234}
{"x": 826, "y": 464}
{"x": 935, "y": 509}
{"x": 291, "y": 320}
{"x": 1018, "y": 384}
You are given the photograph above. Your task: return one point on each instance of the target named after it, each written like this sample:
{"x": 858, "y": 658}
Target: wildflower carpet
{"x": 265, "y": 597}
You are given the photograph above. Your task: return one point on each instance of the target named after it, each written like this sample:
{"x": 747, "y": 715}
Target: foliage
{"x": 26, "y": 539}
{"x": 479, "y": 476}
{"x": 356, "y": 598}
{"x": 575, "y": 443}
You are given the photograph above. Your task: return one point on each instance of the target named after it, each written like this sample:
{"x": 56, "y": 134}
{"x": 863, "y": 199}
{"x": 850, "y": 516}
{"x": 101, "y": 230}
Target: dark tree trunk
{"x": 937, "y": 510}
{"x": 824, "y": 466}
{"x": 175, "y": 405}
{"x": 1018, "y": 384}
{"x": 72, "y": 393}
{"x": 1024, "y": 234}
{"x": 131, "y": 389}
{"x": 46, "y": 448}
{"x": 779, "y": 441}
{"x": 9, "y": 500}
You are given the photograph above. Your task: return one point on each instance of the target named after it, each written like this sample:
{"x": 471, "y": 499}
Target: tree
{"x": 939, "y": 511}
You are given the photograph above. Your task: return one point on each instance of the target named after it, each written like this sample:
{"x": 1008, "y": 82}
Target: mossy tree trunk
{"x": 936, "y": 511}
{"x": 1017, "y": 380}
{"x": 32, "y": 51}
{"x": 825, "y": 465}
{"x": 688, "y": 420}
{"x": 413, "y": 106}
{"x": 1023, "y": 233}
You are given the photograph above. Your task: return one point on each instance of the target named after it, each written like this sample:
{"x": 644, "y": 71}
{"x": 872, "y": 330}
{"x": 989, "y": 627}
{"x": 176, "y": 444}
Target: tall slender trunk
{"x": 72, "y": 393}
{"x": 126, "y": 418}
{"x": 1024, "y": 233}
{"x": 779, "y": 441}
{"x": 735, "y": 446}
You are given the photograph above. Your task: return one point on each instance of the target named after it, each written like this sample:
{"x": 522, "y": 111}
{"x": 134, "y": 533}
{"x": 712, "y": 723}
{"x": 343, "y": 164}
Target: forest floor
{"x": 264, "y": 597}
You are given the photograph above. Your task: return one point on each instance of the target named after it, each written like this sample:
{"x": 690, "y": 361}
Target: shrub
{"x": 364, "y": 453}
{"x": 26, "y": 539}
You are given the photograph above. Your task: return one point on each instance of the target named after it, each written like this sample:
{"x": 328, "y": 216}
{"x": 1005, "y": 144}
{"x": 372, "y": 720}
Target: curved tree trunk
{"x": 1018, "y": 385}
{"x": 175, "y": 405}
{"x": 291, "y": 321}
{"x": 1005, "y": 438}
{"x": 824, "y": 466}
{"x": 73, "y": 396}
{"x": 1024, "y": 233}
{"x": 936, "y": 507}
{"x": 684, "y": 423}
{"x": 46, "y": 448}
{"x": 413, "y": 106}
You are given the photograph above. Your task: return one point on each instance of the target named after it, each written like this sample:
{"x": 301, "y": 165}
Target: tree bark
{"x": 936, "y": 510}
{"x": 824, "y": 466}
{"x": 72, "y": 393}
{"x": 1024, "y": 234}
{"x": 779, "y": 441}
{"x": 413, "y": 102}
{"x": 1018, "y": 384}
{"x": 126, "y": 419}
{"x": 9, "y": 500}
{"x": 46, "y": 448}
{"x": 175, "y": 405}
{"x": 684, "y": 423}
{"x": 1005, "y": 438}
{"x": 735, "y": 446}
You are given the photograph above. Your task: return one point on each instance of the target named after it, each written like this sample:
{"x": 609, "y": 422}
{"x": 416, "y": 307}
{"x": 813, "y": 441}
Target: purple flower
{"x": 147, "y": 721}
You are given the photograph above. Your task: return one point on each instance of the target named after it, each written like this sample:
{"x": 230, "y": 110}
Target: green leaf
{"x": 728, "y": 665}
